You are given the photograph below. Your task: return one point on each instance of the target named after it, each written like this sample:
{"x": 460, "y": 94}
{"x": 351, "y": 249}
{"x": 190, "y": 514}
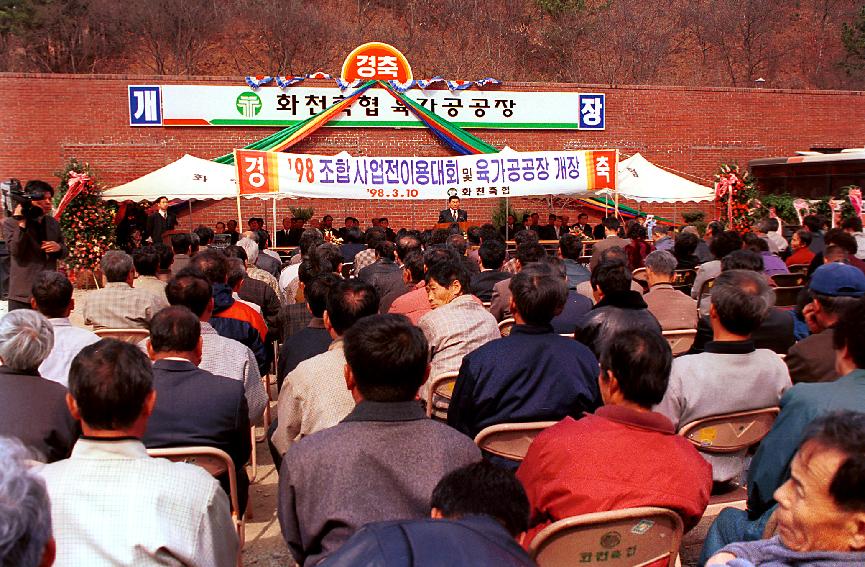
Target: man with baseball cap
{"x": 833, "y": 289}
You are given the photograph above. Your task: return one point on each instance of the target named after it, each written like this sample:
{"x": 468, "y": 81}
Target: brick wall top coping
{"x": 532, "y": 86}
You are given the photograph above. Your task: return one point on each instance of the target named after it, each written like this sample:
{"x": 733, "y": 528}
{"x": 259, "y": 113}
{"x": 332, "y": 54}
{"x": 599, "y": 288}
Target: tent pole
{"x": 507, "y": 211}
{"x": 273, "y": 227}
{"x": 190, "y": 215}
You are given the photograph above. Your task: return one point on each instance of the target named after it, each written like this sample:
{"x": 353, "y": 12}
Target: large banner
{"x": 505, "y": 174}
{"x": 208, "y": 105}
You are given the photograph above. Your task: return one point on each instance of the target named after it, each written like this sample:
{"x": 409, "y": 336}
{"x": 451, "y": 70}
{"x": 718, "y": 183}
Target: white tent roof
{"x": 642, "y": 181}
{"x": 187, "y": 178}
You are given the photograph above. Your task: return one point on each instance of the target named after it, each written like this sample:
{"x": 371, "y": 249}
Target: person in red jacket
{"x": 622, "y": 456}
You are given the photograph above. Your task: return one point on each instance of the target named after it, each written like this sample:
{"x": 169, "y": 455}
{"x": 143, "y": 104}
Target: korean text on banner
{"x": 503, "y": 174}
{"x": 257, "y": 173}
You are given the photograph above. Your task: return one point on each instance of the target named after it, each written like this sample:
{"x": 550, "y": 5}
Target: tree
{"x": 853, "y": 38}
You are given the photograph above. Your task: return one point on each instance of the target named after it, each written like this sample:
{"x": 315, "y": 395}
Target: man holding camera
{"x": 34, "y": 240}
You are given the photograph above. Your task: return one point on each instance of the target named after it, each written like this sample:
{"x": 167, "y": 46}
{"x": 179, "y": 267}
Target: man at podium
{"x": 453, "y": 213}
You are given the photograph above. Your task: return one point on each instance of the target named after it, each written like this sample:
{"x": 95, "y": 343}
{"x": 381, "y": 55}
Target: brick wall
{"x": 47, "y": 119}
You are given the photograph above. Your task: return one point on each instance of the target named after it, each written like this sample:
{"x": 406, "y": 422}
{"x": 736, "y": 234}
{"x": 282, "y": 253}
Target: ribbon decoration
{"x": 77, "y": 183}
{"x": 258, "y": 81}
{"x": 282, "y": 81}
{"x": 802, "y": 207}
{"x": 855, "y": 196}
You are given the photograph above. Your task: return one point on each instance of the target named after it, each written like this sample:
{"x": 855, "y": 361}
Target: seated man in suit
{"x": 511, "y": 227}
{"x": 833, "y": 289}
{"x": 313, "y": 396}
{"x": 477, "y": 511}
{"x": 118, "y": 305}
{"x": 32, "y": 409}
{"x": 527, "y": 253}
{"x": 181, "y": 244}
{"x": 531, "y": 375}
{"x": 821, "y": 512}
{"x": 733, "y": 374}
{"x": 774, "y": 333}
{"x": 800, "y": 405}
{"x": 111, "y": 503}
{"x": 458, "y": 322}
{"x": 611, "y": 238}
{"x": 672, "y": 308}
{"x": 384, "y": 274}
{"x": 453, "y": 213}
{"x": 622, "y": 456}
{"x": 193, "y": 406}
{"x": 492, "y": 256}
{"x": 379, "y": 463}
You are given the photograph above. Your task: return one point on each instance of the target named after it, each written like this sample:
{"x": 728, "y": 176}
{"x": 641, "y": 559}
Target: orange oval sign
{"x": 376, "y": 60}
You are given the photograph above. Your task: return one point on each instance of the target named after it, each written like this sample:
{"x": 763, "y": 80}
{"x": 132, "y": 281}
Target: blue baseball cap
{"x": 838, "y": 280}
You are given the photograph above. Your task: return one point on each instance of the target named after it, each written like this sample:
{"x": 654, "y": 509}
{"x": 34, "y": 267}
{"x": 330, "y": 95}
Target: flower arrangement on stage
{"x": 87, "y": 222}
{"x": 735, "y": 194}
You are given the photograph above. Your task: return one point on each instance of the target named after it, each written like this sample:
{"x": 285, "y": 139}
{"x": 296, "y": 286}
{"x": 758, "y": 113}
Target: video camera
{"x": 13, "y": 194}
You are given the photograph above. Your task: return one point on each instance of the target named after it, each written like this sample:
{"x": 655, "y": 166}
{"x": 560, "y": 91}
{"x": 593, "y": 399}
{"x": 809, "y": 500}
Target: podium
{"x": 464, "y": 226}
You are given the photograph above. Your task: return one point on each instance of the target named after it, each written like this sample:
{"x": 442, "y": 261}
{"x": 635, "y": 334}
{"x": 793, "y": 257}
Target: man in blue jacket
{"x": 531, "y": 375}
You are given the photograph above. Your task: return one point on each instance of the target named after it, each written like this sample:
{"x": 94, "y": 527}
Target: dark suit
{"x": 549, "y": 232}
{"x": 195, "y": 407}
{"x": 156, "y": 225}
{"x": 512, "y": 229}
{"x": 282, "y": 237}
{"x": 447, "y": 216}
{"x": 776, "y": 333}
{"x": 482, "y": 283}
{"x": 33, "y": 410}
{"x": 384, "y": 275}
{"x": 813, "y": 359}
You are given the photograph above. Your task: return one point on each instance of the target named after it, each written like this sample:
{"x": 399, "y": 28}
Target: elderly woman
{"x": 32, "y": 408}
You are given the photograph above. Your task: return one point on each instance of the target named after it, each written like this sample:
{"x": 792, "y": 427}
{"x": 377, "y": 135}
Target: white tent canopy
{"x": 187, "y": 178}
{"x": 642, "y": 181}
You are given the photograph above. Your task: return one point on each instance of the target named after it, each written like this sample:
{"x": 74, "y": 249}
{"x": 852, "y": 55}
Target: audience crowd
{"x": 395, "y": 352}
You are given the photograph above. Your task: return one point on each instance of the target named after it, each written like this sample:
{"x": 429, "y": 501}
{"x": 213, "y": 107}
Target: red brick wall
{"x": 47, "y": 119}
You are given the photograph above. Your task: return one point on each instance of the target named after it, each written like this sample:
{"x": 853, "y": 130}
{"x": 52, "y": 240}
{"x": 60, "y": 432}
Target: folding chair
{"x": 680, "y": 340}
{"x": 729, "y": 433}
{"x": 618, "y": 538}
{"x": 133, "y": 336}
{"x": 683, "y": 280}
{"x": 639, "y": 276}
{"x": 216, "y": 462}
{"x": 441, "y": 389}
{"x": 347, "y": 270}
{"x": 505, "y": 326}
{"x": 705, "y": 289}
{"x": 798, "y": 268}
{"x": 787, "y": 296}
{"x": 790, "y": 280}
{"x": 510, "y": 440}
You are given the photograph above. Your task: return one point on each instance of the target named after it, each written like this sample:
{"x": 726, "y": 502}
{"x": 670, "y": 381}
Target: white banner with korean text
{"x": 505, "y": 174}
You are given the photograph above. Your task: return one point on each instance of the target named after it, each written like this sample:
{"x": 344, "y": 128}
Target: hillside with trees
{"x": 800, "y": 44}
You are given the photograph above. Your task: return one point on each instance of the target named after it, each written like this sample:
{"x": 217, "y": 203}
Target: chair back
{"x": 798, "y": 268}
{"x": 787, "y": 296}
{"x": 731, "y": 432}
{"x": 790, "y": 280}
{"x": 442, "y": 388}
{"x": 680, "y": 340}
{"x": 510, "y": 440}
{"x": 505, "y": 326}
{"x": 347, "y": 270}
{"x": 618, "y": 538}
{"x": 216, "y": 462}
{"x": 705, "y": 289}
{"x": 133, "y": 336}
{"x": 683, "y": 280}
{"x": 640, "y": 276}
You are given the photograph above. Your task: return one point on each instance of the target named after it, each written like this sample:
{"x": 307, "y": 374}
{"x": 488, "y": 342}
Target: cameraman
{"x": 34, "y": 240}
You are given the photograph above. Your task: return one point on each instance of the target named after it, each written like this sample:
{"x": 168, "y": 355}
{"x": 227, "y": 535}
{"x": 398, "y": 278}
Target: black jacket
{"x": 156, "y": 225}
{"x": 447, "y": 216}
{"x": 26, "y": 255}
